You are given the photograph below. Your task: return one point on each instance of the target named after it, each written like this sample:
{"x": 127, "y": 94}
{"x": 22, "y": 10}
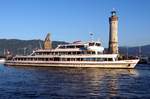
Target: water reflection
{"x": 71, "y": 82}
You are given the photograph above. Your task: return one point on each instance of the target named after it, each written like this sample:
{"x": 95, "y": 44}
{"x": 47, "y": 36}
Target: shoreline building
{"x": 113, "y": 33}
{"x": 47, "y": 42}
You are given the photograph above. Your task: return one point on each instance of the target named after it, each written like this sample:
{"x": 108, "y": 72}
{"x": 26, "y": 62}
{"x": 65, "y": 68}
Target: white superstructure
{"x": 89, "y": 54}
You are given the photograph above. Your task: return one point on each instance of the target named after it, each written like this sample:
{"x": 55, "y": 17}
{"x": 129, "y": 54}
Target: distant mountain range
{"x": 136, "y": 51}
{"x": 25, "y": 47}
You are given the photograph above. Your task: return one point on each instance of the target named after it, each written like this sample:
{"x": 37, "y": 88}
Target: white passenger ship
{"x": 77, "y": 54}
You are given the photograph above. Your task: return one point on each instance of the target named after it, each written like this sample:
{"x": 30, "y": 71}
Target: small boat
{"x": 2, "y": 60}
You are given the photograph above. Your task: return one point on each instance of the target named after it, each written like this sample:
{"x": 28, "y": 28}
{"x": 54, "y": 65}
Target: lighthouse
{"x": 113, "y": 33}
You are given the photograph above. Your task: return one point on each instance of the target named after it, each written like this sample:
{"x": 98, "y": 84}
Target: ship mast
{"x": 91, "y": 36}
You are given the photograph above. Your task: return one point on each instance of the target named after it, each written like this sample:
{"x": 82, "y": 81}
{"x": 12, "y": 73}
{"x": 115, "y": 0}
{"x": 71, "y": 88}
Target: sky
{"x": 73, "y": 20}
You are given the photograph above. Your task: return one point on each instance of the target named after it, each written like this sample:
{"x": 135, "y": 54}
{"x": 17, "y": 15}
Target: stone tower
{"x": 47, "y": 42}
{"x": 113, "y": 33}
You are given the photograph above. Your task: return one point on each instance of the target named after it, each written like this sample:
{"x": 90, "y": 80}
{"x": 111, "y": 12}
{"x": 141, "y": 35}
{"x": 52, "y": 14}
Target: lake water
{"x": 74, "y": 83}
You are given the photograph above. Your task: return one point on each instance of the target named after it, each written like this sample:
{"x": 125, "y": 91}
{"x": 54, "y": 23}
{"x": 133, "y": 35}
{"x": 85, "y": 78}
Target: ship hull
{"x": 111, "y": 64}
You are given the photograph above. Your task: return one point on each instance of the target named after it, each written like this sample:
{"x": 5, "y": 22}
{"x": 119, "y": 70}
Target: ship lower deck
{"x": 111, "y": 64}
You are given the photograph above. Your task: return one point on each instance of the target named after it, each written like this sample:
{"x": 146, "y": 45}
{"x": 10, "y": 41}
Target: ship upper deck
{"x": 72, "y": 56}
{"x": 76, "y": 46}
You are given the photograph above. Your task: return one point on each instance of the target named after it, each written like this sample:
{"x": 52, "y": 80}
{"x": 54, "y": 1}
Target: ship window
{"x": 99, "y": 52}
{"x": 100, "y": 59}
{"x": 74, "y": 53}
{"x": 62, "y": 47}
{"x": 105, "y": 59}
{"x": 70, "y": 46}
{"x": 78, "y": 52}
{"x": 93, "y": 52}
{"x": 43, "y": 59}
{"x": 98, "y": 44}
{"x": 91, "y": 44}
{"x": 80, "y": 46}
{"x": 92, "y": 59}
{"x": 56, "y": 53}
{"x": 87, "y": 59}
{"x": 63, "y": 59}
{"x": 68, "y": 59}
{"x": 78, "y": 59}
{"x": 69, "y": 53}
{"x": 52, "y": 53}
{"x": 110, "y": 59}
{"x": 90, "y": 52}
